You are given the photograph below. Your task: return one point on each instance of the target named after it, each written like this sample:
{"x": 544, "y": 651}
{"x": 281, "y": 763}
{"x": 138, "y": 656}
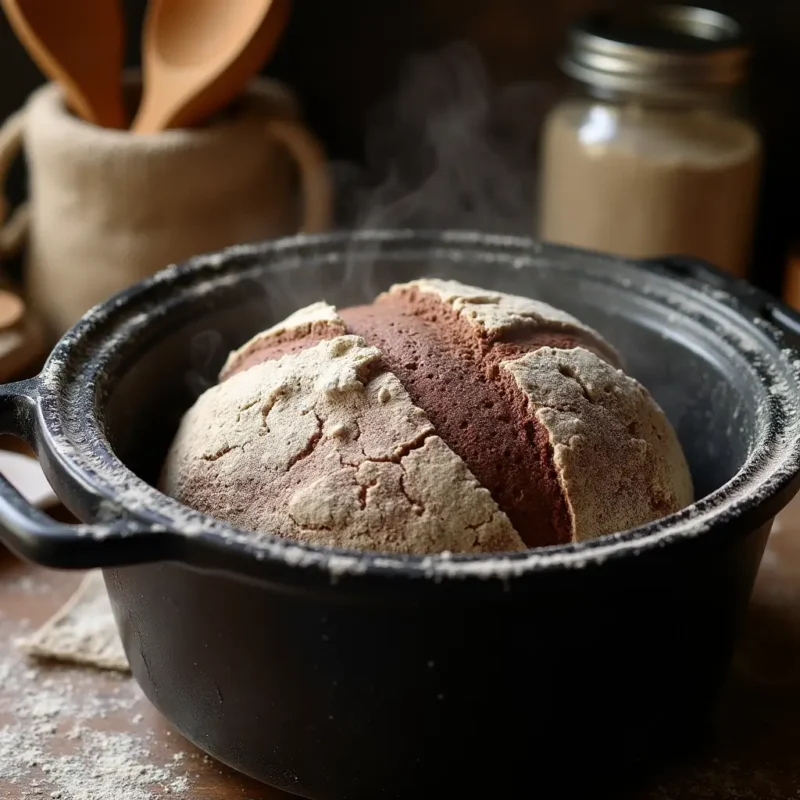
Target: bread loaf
{"x": 441, "y": 417}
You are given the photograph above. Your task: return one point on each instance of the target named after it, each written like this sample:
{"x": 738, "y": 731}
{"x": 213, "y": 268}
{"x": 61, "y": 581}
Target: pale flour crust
{"x": 619, "y": 461}
{"x": 324, "y": 446}
{"x": 316, "y": 317}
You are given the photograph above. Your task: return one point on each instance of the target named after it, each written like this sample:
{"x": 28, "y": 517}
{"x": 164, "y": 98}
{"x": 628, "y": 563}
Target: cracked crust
{"x": 452, "y": 372}
{"x": 325, "y": 447}
{"x": 477, "y": 422}
{"x": 618, "y": 459}
{"x": 425, "y": 502}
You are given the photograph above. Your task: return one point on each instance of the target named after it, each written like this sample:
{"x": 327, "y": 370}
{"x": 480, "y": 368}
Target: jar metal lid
{"x": 670, "y": 50}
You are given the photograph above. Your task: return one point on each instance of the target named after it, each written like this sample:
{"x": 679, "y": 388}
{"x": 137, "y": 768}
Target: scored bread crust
{"x": 497, "y": 313}
{"x": 618, "y": 459}
{"x": 309, "y": 435}
{"x": 324, "y": 447}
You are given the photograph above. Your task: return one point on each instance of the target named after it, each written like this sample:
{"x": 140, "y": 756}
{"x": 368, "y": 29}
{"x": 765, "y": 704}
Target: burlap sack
{"x": 107, "y": 208}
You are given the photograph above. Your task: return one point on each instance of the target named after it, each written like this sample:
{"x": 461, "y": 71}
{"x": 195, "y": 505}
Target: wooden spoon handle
{"x": 153, "y": 116}
{"x": 75, "y": 99}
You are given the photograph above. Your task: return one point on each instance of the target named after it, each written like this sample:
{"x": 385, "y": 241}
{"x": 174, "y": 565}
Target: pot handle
{"x": 33, "y": 535}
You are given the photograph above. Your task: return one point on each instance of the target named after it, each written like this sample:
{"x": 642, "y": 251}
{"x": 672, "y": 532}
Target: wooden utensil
{"x": 78, "y": 44}
{"x": 198, "y": 54}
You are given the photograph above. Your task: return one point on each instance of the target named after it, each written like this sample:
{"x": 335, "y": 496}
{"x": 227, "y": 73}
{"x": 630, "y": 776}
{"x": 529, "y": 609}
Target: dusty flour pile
{"x": 58, "y": 739}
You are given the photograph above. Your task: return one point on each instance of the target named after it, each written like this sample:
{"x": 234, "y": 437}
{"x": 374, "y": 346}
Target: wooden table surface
{"x": 754, "y": 754}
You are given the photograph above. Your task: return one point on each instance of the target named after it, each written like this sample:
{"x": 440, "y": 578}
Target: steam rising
{"x": 448, "y": 149}
{"x": 204, "y": 350}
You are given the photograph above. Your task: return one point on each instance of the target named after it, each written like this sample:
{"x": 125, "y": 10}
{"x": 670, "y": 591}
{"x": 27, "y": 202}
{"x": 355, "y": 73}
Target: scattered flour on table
{"x": 50, "y": 746}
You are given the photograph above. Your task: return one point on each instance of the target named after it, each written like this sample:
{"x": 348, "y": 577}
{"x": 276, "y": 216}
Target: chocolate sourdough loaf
{"x": 441, "y": 417}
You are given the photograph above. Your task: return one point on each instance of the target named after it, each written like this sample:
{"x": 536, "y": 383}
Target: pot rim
{"x": 770, "y": 471}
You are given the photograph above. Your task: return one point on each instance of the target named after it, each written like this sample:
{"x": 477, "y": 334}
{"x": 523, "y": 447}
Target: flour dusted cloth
{"x": 108, "y": 208}
{"x": 83, "y": 631}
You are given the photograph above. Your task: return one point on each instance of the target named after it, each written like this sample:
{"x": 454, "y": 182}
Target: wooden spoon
{"x": 198, "y": 54}
{"x": 80, "y": 45}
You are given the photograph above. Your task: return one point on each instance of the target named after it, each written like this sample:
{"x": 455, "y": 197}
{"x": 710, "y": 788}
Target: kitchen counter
{"x": 65, "y": 730}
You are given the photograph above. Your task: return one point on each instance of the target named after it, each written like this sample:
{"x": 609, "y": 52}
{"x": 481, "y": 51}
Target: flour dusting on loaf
{"x": 440, "y": 418}
{"x": 324, "y": 447}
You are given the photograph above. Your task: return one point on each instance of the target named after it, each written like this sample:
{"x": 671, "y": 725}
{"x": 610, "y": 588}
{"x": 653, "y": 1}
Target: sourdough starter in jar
{"x": 659, "y": 164}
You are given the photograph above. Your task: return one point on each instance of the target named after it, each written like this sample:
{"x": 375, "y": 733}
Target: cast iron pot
{"x": 337, "y": 674}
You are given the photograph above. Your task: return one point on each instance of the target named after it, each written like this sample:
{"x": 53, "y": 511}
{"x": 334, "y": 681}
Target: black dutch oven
{"x": 336, "y": 674}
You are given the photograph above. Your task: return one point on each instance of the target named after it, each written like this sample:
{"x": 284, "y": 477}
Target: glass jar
{"x": 651, "y": 157}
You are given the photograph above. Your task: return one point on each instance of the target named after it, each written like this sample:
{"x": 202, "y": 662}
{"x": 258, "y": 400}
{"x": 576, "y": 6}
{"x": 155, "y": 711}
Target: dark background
{"x": 343, "y": 55}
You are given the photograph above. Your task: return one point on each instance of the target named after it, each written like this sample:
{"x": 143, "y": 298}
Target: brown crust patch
{"x": 451, "y": 370}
